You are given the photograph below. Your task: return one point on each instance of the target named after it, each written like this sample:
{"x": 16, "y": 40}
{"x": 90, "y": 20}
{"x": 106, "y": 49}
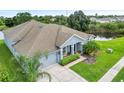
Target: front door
{"x": 77, "y": 47}
{"x": 69, "y": 50}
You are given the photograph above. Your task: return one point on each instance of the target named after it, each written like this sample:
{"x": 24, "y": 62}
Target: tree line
{"x": 111, "y": 29}
{"x": 78, "y": 20}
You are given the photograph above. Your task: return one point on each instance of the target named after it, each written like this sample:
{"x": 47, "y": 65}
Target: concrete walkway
{"x": 75, "y": 62}
{"x": 108, "y": 77}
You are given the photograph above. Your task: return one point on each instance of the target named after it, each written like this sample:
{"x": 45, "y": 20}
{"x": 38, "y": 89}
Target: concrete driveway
{"x": 61, "y": 74}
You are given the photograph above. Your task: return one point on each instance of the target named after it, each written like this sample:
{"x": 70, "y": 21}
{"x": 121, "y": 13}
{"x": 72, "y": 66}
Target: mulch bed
{"x": 89, "y": 59}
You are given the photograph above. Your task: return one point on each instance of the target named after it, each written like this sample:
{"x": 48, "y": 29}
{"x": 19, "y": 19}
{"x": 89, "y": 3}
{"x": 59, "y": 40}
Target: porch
{"x": 71, "y": 50}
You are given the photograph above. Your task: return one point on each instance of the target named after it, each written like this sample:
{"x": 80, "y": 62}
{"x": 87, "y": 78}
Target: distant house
{"x": 32, "y": 37}
{"x": 120, "y": 18}
{"x": 108, "y": 19}
{"x": 103, "y": 20}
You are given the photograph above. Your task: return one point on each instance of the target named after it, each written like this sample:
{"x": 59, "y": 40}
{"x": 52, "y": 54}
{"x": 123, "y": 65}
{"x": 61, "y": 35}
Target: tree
{"x": 1, "y": 23}
{"x": 9, "y": 22}
{"x": 3, "y": 19}
{"x": 15, "y": 21}
{"x": 4, "y": 76}
{"x": 92, "y": 28}
{"x": 109, "y": 26}
{"x": 22, "y": 17}
{"x": 78, "y": 21}
{"x": 30, "y": 67}
{"x": 36, "y": 18}
{"x": 47, "y": 19}
{"x": 61, "y": 20}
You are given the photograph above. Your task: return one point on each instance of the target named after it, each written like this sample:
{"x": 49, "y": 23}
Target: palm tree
{"x": 30, "y": 67}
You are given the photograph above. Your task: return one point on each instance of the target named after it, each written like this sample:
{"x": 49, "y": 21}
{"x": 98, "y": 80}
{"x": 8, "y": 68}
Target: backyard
{"x": 8, "y": 65}
{"x": 104, "y": 60}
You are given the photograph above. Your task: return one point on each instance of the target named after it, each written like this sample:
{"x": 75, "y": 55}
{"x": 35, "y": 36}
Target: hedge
{"x": 69, "y": 59}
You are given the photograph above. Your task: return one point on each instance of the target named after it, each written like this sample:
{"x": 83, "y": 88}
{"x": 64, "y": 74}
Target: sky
{"x": 10, "y": 8}
{"x": 11, "y": 13}
{"x": 62, "y": 4}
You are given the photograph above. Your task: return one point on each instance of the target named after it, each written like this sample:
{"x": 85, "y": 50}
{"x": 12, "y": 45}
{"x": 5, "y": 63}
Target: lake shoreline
{"x": 107, "y": 34}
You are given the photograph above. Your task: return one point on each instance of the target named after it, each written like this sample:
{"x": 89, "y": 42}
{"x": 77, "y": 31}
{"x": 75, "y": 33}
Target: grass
{"x": 119, "y": 76}
{"x": 12, "y": 67}
{"x": 104, "y": 61}
{"x": 69, "y": 59}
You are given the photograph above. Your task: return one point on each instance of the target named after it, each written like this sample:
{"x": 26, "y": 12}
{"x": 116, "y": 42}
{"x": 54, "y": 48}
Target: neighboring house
{"x": 120, "y": 18}
{"x": 108, "y": 19}
{"x": 32, "y": 37}
{"x": 103, "y": 20}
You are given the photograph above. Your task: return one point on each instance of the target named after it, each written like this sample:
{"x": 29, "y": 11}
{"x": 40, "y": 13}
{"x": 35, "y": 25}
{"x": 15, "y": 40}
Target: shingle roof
{"x": 33, "y": 36}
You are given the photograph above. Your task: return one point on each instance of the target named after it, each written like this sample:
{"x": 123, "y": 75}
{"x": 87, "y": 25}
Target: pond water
{"x": 99, "y": 38}
{"x": 1, "y": 35}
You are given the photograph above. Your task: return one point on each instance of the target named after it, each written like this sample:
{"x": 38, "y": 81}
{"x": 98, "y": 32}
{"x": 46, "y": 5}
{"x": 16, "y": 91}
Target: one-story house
{"x": 59, "y": 41}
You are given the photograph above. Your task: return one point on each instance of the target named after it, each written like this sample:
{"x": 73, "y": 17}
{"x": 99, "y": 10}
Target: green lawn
{"x": 119, "y": 76}
{"x": 6, "y": 64}
{"x": 93, "y": 72}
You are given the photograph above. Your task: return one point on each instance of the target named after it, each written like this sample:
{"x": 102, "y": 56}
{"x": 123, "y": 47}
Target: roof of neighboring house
{"x": 32, "y": 36}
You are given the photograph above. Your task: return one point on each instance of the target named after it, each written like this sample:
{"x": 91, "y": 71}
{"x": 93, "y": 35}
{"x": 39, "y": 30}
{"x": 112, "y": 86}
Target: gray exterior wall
{"x": 52, "y": 58}
{"x": 73, "y": 40}
{"x": 9, "y": 45}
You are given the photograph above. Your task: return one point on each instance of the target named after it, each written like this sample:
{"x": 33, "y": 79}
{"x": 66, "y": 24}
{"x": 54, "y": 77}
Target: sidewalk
{"x": 108, "y": 77}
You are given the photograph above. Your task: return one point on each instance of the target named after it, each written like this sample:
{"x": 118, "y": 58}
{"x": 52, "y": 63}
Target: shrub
{"x": 4, "y": 76}
{"x": 30, "y": 66}
{"x": 69, "y": 59}
{"x": 91, "y": 48}
{"x": 3, "y": 28}
{"x": 109, "y": 26}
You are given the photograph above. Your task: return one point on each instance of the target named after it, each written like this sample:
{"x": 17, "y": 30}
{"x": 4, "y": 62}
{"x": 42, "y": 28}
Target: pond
{"x": 1, "y": 35}
{"x": 108, "y": 35}
{"x": 99, "y": 38}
